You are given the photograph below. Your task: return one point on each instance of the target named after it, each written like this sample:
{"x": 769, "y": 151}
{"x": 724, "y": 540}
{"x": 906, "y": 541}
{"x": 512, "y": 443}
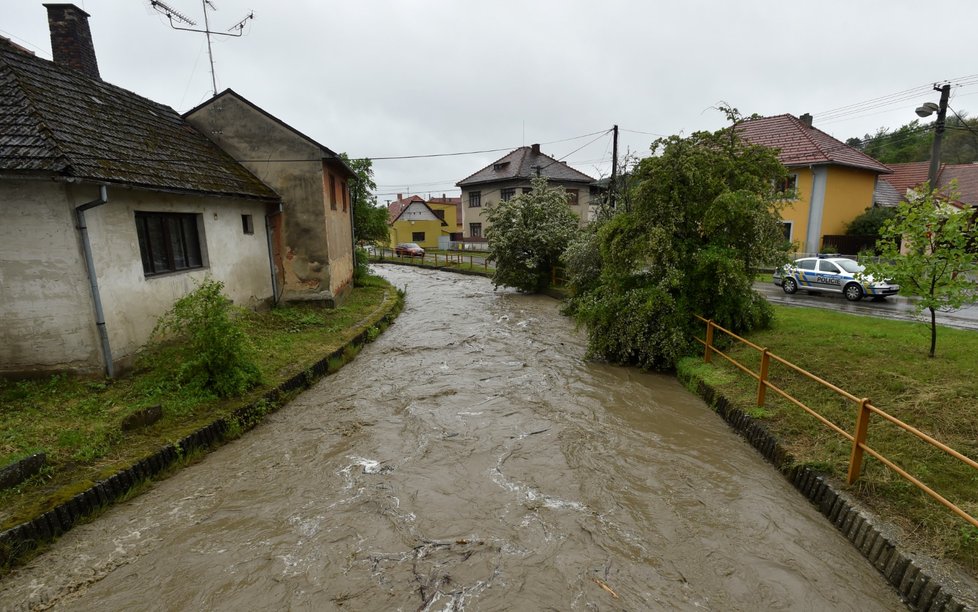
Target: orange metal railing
{"x": 863, "y": 407}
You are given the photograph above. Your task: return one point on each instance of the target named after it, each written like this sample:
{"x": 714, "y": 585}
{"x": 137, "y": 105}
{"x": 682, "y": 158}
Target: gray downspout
{"x": 271, "y": 251}
{"x": 103, "y": 197}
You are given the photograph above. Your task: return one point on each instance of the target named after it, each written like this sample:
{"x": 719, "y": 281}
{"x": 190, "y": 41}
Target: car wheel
{"x": 789, "y": 285}
{"x": 853, "y": 292}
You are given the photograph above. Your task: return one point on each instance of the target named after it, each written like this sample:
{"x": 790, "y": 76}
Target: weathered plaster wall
{"x": 339, "y": 234}
{"x": 317, "y": 243}
{"x": 48, "y": 320}
{"x": 46, "y": 314}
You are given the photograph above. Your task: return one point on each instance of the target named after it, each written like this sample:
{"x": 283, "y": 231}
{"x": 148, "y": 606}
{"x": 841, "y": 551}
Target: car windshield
{"x": 849, "y": 265}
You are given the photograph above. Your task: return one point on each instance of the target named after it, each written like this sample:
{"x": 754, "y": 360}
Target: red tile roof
{"x": 395, "y": 208}
{"x": 910, "y": 175}
{"x": 801, "y": 145}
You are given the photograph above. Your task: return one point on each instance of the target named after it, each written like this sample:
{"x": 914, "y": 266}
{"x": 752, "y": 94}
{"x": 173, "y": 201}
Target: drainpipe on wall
{"x": 271, "y": 251}
{"x": 103, "y": 333}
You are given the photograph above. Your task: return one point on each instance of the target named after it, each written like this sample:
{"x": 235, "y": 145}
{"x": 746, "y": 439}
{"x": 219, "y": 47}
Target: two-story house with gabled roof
{"x": 829, "y": 183}
{"x": 511, "y": 175}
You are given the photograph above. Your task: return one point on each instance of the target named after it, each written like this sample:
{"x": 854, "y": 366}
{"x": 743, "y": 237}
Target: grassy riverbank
{"x": 76, "y": 421}
{"x": 887, "y": 362}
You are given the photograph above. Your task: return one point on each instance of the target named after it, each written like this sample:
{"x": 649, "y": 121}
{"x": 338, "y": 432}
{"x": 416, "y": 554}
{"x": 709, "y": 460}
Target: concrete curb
{"x": 18, "y": 542}
{"x": 919, "y": 589}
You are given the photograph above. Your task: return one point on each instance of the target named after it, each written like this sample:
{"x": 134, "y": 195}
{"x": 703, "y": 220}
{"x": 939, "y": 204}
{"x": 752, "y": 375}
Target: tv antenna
{"x": 176, "y": 16}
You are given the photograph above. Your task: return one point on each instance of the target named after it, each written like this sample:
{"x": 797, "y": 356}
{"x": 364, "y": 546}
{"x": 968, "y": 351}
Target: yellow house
{"x": 418, "y": 222}
{"x": 829, "y": 183}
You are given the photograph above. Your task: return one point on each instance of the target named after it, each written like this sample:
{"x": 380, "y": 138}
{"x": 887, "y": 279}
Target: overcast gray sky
{"x": 407, "y": 77}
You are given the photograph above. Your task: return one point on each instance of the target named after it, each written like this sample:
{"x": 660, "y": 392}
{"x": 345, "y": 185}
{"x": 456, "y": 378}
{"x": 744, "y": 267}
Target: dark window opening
{"x": 786, "y": 228}
{"x": 475, "y": 199}
{"x": 507, "y": 194}
{"x": 527, "y": 189}
{"x": 440, "y": 214}
{"x": 417, "y": 236}
{"x": 787, "y": 188}
{"x": 332, "y": 192}
{"x": 475, "y": 230}
{"x": 573, "y": 197}
{"x": 168, "y": 242}
{"x": 248, "y": 224}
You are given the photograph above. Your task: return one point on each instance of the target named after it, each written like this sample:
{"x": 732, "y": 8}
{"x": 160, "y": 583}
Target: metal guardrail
{"x": 434, "y": 259}
{"x": 864, "y": 411}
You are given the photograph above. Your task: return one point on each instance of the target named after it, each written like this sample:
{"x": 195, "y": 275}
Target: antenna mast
{"x": 176, "y": 16}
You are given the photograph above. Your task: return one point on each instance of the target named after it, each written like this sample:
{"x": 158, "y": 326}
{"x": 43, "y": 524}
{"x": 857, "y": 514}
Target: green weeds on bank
{"x": 76, "y": 421}
{"x": 887, "y": 362}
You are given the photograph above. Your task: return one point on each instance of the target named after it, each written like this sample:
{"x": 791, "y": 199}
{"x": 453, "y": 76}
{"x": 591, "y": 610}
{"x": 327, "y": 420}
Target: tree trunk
{"x": 933, "y": 332}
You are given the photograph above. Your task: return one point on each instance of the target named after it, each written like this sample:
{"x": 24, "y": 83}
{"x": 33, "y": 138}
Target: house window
{"x": 573, "y": 197}
{"x": 417, "y": 236}
{"x": 248, "y": 224}
{"x": 787, "y": 189}
{"x": 440, "y": 214}
{"x": 475, "y": 230}
{"x": 168, "y": 242}
{"x": 332, "y": 192}
{"x": 786, "y": 227}
{"x": 507, "y": 194}
{"x": 475, "y": 199}
{"x": 527, "y": 189}
{"x": 346, "y": 196}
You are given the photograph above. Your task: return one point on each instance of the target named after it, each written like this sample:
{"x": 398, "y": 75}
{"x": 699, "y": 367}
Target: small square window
{"x": 507, "y": 194}
{"x": 417, "y": 236}
{"x": 475, "y": 230}
{"x": 788, "y": 187}
{"x": 248, "y": 224}
{"x": 527, "y": 189}
{"x": 573, "y": 197}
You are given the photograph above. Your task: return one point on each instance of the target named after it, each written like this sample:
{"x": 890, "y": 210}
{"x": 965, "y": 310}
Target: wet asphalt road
{"x": 898, "y": 307}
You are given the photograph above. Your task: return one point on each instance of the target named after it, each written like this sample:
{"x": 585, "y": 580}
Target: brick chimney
{"x": 535, "y": 149}
{"x": 71, "y": 39}
{"x": 806, "y": 119}
{"x": 400, "y": 197}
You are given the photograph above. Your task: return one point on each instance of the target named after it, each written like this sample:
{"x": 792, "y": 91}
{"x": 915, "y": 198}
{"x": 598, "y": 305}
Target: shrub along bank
{"x": 77, "y": 422}
{"x": 887, "y": 362}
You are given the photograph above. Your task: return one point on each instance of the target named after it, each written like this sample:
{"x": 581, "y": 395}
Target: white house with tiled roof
{"x": 829, "y": 182}
{"x": 509, "y": 176}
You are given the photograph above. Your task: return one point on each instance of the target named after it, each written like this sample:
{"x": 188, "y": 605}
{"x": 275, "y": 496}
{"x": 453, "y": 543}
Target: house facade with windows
{"x": 829, "y": 183}
{"x": 419, "y": 223}
{"x": 510, "y": 176}
{"x": 313, "y": 244}
{"x": 113, "y": 208}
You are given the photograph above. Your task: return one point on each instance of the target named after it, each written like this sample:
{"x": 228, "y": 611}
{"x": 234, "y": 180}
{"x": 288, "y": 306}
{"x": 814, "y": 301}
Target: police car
{"x": 834, "y": 275}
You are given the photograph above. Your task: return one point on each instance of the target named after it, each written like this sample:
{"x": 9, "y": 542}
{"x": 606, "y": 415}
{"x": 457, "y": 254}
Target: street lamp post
{"x": 925, "y": 110}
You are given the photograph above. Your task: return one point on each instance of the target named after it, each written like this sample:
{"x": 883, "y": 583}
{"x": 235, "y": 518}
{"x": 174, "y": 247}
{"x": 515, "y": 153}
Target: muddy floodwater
{"x": 469, "y": 459}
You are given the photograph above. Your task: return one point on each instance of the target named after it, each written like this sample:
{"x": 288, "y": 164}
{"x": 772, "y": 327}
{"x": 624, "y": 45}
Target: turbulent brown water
{"x": 469, "y": 459}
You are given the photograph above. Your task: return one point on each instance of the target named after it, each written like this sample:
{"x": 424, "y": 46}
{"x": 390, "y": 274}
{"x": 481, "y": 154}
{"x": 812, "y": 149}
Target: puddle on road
{"x": 469, "y": 459}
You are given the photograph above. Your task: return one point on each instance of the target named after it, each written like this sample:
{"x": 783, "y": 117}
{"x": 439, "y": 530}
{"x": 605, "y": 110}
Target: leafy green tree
{"x": 369, "y": 220}
{"x": 871, "y": 221}
{"x": 527, "y": 235}
{"x": 703, "y": 217}
{"x": 939, "y": 263}
{"x": 912, "y": 142}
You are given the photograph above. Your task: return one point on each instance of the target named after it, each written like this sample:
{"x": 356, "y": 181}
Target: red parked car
{"x": 409, "y": 249}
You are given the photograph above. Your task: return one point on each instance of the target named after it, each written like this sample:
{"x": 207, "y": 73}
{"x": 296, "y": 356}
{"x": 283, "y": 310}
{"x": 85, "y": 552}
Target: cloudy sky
{"x": 411, "y": 77}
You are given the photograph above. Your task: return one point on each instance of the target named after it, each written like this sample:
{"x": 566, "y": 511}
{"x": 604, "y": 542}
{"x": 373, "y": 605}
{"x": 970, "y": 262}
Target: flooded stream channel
{"x": 468, "y": 459}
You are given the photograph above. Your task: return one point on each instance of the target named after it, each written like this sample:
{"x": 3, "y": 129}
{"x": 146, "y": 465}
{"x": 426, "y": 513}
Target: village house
{"x": 511, "y": 175}
{"x": 114, "y": 207}
{"x": 893, "y": 188}
{"x": 432, "y": 224}
{"x": 829, "y": 183}
{"x": 314, "y": 234}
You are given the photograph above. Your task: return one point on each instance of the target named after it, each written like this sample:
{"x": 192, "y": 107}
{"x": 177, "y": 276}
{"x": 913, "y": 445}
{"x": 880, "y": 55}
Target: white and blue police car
{"x": 834, "y": 275}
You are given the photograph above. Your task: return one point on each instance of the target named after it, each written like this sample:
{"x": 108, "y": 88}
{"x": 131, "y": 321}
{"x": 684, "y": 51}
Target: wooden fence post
{"x": 859, "y": 438}
{"x": 707, "y": 356}
{"x": 761, "y": 386}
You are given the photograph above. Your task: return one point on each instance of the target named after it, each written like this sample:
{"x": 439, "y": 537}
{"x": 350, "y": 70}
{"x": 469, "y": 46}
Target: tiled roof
{"x": 522, "y": 163}
{"x": 57, "y": 120}
{"x": 395, "y": 208}
{"x": 910, "y": 175}
{"x": 800, "y": 145}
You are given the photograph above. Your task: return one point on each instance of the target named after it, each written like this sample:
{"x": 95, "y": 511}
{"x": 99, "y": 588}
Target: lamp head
{"x": 926, "y": 109}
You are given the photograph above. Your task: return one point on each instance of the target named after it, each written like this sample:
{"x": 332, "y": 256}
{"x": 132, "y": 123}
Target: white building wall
{"x": 46, "y": 294}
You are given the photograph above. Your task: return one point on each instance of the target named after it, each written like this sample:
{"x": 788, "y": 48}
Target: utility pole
{"x": 614, "y": 169}
{"x": 173, "y": 15}
{"x": 935, "y": 152}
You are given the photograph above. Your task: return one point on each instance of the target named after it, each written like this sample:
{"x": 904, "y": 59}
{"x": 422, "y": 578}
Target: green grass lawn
{"x": 887, "y": 362}
{"x": 76, "y": 421}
